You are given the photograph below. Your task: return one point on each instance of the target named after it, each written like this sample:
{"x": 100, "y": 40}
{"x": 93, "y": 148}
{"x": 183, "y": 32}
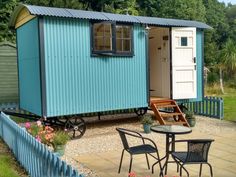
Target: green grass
{"x": 8, "y": 164}
{"x": 229, "y": 100}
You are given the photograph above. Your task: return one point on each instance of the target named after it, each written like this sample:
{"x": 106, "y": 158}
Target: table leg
{"x": 169, "y": 138}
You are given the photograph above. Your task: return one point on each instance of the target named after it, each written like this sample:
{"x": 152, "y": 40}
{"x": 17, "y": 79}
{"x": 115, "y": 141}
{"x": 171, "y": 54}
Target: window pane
{"x": 98, "y": 43}
{"x": 102, "y": 34}
{"x": 118, "y": 31}
{"x": 184, "y": 41}
{"x": 107, "y": 43}
{"x": 126, "y": 32}
{"x": 119, "y": 45}
{"x": 107, "y": 30}
{"x": 98, "y": 30}
{"x": 127, "y": 45}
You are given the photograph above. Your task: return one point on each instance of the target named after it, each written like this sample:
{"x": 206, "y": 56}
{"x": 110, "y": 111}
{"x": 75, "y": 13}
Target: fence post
{"x": 221, "y": 112}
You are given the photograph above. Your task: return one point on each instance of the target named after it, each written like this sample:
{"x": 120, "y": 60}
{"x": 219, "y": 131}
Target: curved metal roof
{"x": 92, "y": 15}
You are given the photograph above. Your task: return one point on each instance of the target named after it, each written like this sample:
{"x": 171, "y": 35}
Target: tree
{"x": 227, "y": 60}
{"x": 6, "y": 8}
{"x": 180, "y": 9}
{"x": 231, "y": 19}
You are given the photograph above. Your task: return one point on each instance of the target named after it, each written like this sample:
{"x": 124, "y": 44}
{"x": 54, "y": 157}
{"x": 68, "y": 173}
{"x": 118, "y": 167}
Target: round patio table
{"x": 170, "y": 131}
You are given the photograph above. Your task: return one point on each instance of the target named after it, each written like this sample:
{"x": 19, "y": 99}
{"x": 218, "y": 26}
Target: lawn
{"x": 229, "y": 100}
{"x": 8, "y": 164}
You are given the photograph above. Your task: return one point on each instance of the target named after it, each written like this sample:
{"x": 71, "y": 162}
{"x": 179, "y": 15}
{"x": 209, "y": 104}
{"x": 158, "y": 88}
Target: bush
{"x": 212, "y": 77}
{"x": 147, "y": 119}
{"x": 60, "y": 138}
{"x": 189, "y": 115}
{"x": 213, "y": 89}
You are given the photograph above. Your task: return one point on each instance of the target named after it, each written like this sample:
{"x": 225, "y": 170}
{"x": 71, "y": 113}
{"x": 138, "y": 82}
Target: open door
{"x": 184, "y": 63}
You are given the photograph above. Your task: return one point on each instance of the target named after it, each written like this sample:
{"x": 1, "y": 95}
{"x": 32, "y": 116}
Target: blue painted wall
{"x": 199, "y": 64}
{"x": 28, "y": 63}
{"x": 78, "y": 83}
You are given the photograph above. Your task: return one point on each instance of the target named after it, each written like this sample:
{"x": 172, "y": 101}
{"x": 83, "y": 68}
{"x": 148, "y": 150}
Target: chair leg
{"x": 182, "y": 167}
{"x": 130, "y": 164}
{"x": 200, "y": 172}
{"x": 159, "y": 162}
{"x": 121, "y": 159}
{"x": 147, "y": 161}
{"x": 180, "y": 171}
{"x": 210, "y": 169}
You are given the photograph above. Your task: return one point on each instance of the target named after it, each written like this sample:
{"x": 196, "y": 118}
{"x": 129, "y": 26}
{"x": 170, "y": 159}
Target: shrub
{"x": 147, "y": 119}
{"x": 60, "y": 138}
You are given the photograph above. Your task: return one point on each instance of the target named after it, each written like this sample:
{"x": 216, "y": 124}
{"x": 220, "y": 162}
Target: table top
{"x": 171, "y": 129}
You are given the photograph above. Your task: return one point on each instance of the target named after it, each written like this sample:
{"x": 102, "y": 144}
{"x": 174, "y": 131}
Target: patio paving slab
{"x": 100, "y": 151}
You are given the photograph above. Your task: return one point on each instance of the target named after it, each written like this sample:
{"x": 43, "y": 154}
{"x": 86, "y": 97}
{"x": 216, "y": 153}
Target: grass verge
{"x": 229, "y": 100}
{"x": 8, "y": 164}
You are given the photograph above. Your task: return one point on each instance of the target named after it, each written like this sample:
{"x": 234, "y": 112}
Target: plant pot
{"x": 191, "y": 122}
{"x": 60, "y": 149}
{"x": 147, "y": 128}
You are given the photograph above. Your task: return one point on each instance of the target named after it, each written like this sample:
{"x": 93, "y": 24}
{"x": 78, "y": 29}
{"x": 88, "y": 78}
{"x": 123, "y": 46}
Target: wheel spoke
{"x": 76, "y": 126}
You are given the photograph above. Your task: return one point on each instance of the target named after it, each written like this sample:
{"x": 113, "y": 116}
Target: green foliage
{"x": 212, "y": 77}
{"x": 229, "y": 99}
{"x": 8, "y": 164}
{"x": 213, "y": 89}
{"x": 189, "y": 115}
{"x": 6, "y": 8}
{"x": 228, "y": 56}
{"x": 147, "y": 119}
{"x": 60, "y": 138}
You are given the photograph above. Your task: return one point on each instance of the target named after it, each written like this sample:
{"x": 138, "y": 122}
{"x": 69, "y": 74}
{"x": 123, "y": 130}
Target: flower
{"x": 132, "y": 174}
{"x": 42, "y": 134}
{"x": 39, "y": 123}
{"x": 38, "y": 138}
{"x": 27, "y": 125}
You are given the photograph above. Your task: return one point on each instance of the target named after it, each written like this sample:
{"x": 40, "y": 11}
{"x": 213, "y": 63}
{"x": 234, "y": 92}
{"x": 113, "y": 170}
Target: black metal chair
{"x": 197, "y": 153}
{"x": 147, "y": 147}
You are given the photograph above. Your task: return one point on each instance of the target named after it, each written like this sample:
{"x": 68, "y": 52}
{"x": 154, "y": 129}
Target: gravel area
{"x": 101, "y": 136}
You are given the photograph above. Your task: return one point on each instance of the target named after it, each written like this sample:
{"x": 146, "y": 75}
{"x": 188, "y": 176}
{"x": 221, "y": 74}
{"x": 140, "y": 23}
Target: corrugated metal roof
{"x": 87, "y": 14}
{"x": 48, "y": 11}
{"x": 72, "y": 13}
{"x": 121, "y": 18}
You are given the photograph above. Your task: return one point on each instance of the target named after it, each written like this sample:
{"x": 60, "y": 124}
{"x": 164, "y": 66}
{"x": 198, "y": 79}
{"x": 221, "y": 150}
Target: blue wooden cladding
{"x": 32, "y": 155}
{"x": 77, "y": 82}
{"x": 29, "y": 69}
{"x": 209, "y": 106}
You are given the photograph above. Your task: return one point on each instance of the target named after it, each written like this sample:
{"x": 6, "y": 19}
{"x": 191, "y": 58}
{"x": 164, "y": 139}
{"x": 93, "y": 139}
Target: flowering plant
{"x": 60, "y": 138}
{"x": 43, "y": 134}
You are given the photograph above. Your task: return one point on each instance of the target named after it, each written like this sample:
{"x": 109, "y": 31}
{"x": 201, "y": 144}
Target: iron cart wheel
{"x": 141, "y": 111}
{"x": 75, "y": 126}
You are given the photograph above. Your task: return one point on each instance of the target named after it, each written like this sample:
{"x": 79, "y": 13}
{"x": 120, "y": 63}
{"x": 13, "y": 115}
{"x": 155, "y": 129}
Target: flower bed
{"x": 47, "y": 135}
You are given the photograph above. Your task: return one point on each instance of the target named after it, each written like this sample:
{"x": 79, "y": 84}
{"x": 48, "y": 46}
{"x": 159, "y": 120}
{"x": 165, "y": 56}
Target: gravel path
{"x": 101, "y": 136}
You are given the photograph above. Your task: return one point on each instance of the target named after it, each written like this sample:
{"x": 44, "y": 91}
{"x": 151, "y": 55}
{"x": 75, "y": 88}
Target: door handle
{"x": 194, "y": 59}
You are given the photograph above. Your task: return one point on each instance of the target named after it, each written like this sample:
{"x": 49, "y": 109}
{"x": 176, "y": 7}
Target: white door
{"x": 184, "y": 63}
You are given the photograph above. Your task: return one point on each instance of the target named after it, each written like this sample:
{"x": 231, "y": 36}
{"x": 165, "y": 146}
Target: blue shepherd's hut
{"x": 74, "y": 61}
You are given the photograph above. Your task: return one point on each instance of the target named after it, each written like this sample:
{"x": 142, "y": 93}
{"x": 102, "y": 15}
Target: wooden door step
{"x": 166, "y": 106}
{"x": 176, "y": 116}
{"x": 165, "y": 115}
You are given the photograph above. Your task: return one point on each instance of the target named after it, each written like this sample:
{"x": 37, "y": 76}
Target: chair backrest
{"x": 122, "y": 132}
{"x": 198, "y": 150}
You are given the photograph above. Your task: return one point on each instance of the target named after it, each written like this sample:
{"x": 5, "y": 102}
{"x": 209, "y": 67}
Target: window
{"x": 112, "y": 39}
{"x": 102, "y": 37}
{"x": 123, "y": 38}
{"x": 184, "y": 41}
